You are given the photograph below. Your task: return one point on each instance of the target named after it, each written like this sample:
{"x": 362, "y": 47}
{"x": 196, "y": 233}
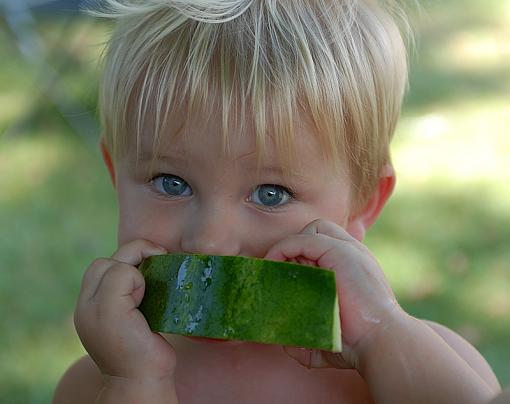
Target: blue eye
{"x": 171, "y": 185}
{"x": 271, "y": 196}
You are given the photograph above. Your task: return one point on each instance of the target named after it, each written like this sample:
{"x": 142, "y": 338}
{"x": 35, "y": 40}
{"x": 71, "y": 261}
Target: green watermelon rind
{"x": 241, "y": 298}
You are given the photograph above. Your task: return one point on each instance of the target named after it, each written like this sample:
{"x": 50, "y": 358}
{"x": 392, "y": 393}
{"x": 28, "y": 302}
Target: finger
{"x": 92, "y": 278}
{"x": 331, "y": 253}
{"x": 302, "y": 261}
{"x": 119, "y": 287}
{"x": 302, "y": 245}
{"x": 317, "y": 359}
{"x": 135, "y": 251}
{"x": 321, "y": 226}
{"x": 331, "y": 229}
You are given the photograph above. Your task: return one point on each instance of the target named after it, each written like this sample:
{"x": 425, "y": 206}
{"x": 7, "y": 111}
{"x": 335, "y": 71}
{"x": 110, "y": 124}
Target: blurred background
{"x": 444, "y": 238}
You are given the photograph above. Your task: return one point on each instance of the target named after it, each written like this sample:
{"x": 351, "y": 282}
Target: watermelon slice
{"x": 240, "y": 298}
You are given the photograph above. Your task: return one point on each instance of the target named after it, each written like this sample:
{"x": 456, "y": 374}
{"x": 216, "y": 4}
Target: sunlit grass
{"x": 472, "y": 47}
{"x": 13, "y": 105}
{"x": 27, "y": 164}
{"x": 478, "y": 50}
{"x": 466, "y": 143}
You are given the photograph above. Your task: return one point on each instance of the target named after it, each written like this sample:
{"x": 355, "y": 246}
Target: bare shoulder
{"x": 468, "y": 353}
{"x": 80, "y": 384}
{"x": 503, "y": 398}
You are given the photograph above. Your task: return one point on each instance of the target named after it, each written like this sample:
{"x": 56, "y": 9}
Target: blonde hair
{"x": 342, "y": 62}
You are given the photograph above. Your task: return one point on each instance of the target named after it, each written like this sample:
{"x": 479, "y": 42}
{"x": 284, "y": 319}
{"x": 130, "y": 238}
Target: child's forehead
{"x": 192, "y": 137}
{"x": 184, "y": 131}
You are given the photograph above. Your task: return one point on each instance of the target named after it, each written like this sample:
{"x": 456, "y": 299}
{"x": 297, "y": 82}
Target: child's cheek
{"x": 149, "y": 224}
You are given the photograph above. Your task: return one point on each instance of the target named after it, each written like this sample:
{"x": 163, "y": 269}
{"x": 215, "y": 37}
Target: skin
{"x": 503, "y": 398}
{"x": 389, "y": 356}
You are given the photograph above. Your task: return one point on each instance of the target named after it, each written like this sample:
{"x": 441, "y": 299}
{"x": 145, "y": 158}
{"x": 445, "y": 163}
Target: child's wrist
{"x": 137, "y": 390}
{"x": 382, "y": 340}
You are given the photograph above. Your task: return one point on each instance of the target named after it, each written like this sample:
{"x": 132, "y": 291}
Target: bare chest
{"x": 263, "y": 375}
{"x": 309, "y": 390}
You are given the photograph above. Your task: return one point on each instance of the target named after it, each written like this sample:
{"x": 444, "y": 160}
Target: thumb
{"x": 317, "y": 359}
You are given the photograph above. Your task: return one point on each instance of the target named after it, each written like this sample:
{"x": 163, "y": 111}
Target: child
{"x": 503, "y": 398}
{"x": 257, "y": 128}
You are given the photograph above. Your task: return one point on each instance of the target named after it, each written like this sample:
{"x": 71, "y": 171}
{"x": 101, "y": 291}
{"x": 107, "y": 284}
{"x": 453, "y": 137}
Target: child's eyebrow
{"x": 269, "y": 168}
{"x": 146, "y": 157}
{"x": 174, "y": 156}
{"x": 276, "y": 170}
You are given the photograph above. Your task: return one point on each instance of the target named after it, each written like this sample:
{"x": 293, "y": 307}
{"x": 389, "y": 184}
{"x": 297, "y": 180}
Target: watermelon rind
{"x": 242, "y": 298}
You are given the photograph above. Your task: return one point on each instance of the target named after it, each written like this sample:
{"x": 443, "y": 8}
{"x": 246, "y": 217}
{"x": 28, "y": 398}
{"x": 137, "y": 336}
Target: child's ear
{"x": 360, "y": 222}
{"x": 108, "y": 161}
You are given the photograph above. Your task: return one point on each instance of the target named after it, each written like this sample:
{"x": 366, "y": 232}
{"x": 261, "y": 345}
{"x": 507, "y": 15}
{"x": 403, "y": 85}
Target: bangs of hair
{"x": 341, "y": 65}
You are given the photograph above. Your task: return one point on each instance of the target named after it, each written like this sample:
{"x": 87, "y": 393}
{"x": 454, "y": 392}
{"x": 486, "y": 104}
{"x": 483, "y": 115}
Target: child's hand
{"x": 367, "y": 303}
{"x": 112, "y": 330}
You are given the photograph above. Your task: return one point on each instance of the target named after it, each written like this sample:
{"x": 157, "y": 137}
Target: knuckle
{"x": 134, "y": 245}
{"x": 96, "y": 266}
{"x": 120, "y": 269}
{"x": 95, "y": 269}
{"x": 119, "y": 274}
{"x": 320, "y": 225}
{"x": 146, "y": 243}
{"x": 134, "y": 251}
{"x": 99, "y": 262}
{"x": 151, "y": 244}
{"x": 111, "y": 276}
{"x": 141, "y": 244}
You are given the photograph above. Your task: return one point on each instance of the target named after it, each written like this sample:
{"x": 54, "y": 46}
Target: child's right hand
{"x": 112, "y": 329}
{"x": 367, "y": 303}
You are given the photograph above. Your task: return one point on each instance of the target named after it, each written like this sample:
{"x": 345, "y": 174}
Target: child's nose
{"x": 213, "y": 232}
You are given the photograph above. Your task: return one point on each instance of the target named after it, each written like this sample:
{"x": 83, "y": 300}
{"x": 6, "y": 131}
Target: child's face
{"x": 201, "y": 202}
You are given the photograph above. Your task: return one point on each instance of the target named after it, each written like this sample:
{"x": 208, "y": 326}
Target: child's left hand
{"x": 367, "y": 303}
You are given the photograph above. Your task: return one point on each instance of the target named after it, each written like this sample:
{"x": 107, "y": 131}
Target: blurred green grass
{"x": 443, "y": 239}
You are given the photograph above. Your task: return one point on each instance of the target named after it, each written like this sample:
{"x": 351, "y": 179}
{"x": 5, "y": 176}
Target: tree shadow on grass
{"x": 445, "y": 86}
{"x": 436, "y": 77}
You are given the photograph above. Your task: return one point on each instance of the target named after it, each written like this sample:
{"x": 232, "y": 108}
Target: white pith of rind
{"x": 337, "y": 333}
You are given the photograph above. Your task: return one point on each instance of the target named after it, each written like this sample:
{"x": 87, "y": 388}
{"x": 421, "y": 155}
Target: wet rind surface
{"x": 240, "y": 298}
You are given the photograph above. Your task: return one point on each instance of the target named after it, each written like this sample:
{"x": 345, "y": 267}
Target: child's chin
{"x": 223, "y": 342}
